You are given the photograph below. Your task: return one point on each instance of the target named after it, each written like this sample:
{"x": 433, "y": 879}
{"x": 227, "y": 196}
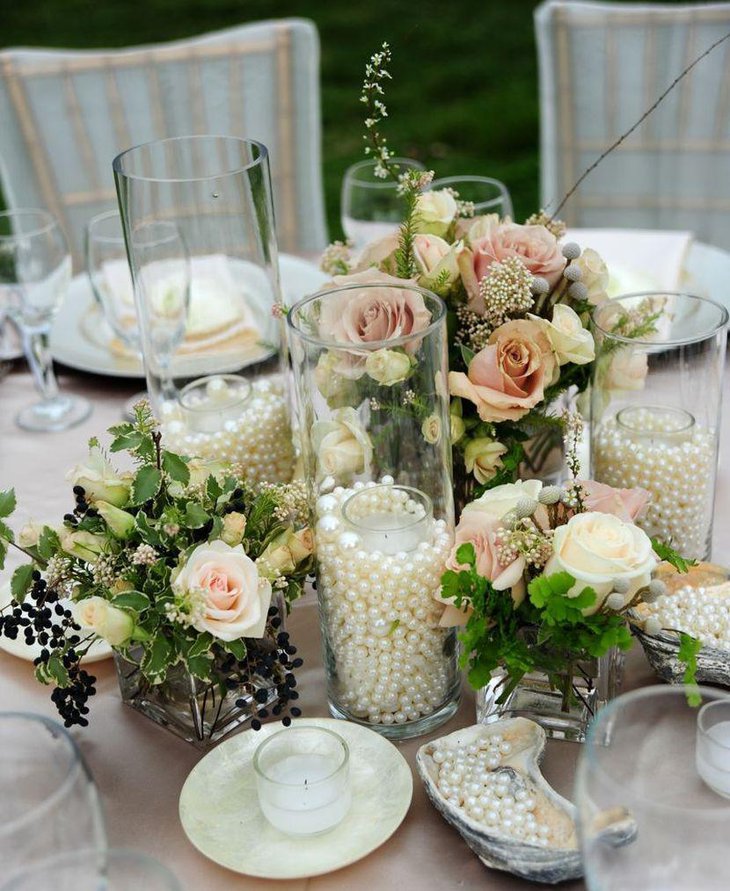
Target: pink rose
{"x": 380, "y": 253}
{"x": 481, "y": 531}
{"x": 223, "y": 585}
{"x": 535, "y": 246}
{"x": 626, "y": 504}
{"x": 508, "y": 377}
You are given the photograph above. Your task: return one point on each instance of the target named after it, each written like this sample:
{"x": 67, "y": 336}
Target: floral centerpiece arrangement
{"x": 184, "y": 569}
{"x": 519, "y": 299}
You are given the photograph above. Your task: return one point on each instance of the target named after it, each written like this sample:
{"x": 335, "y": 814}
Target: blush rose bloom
{"x": 627, "y": 370}
{"x": 437, "y": 262}
{"x": 626, "y": 504}
{"x": 480, "y": 530}
{"x": 508, "y": 377}
{"x": 534, "y": 246}
{"x": 597, "y": 549}
{"x": 236, "y": 599}
{"x": 571, "y": 342}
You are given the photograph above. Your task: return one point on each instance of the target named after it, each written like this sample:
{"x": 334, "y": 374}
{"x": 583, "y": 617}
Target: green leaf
{"x": 146, "y": 484}
{"x": 213, "y": 488}
{"x": 201, "y": 645}
{"x": 668, "y": 554}
{"x": 480, "y": 675}
{"x": 134, "y": 600}
{"x": 236, "y": 648}
{"x": 147, "y": 533}
{"x": 466, "y": 555}
{"x": 6, "y": 533}
{"x": 7, "y": 502}
{"x": 393, "y": 625}
{"x": 48, "y": 543}
{"x": 689, "y": 647}
{"x": 175, "y": 467}
{"x": 466, "y": 354}
{"x": 56, "y": 671}
{"x": 157, "y": 658}
{"x": 126, "y": 442}
{"x": 21, "y": 581}
{"x": 195, "y": 515}
{"x": 200, "y": 667}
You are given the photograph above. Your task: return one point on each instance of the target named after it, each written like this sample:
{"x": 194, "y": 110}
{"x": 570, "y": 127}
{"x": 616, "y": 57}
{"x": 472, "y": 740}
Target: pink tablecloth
{"x": 140, "y": 768}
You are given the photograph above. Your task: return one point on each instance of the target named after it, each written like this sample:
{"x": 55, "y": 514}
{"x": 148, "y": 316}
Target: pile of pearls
{"x": 258, "y": 436}
{"x": 474, "y": 779}
{"x": 382, "y": 620}
{"x": 702, "y": 612}
{"x": 677, "y": 467}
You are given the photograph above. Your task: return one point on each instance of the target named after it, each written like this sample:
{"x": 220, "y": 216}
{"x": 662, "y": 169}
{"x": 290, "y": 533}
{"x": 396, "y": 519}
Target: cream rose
{"x": 594, "y": 276}
{"x": 84, "y": 545}
{"x": 437, "y": 262}
{"x": 30, "y": 534}
{"x": 596, "y": 549}
{"x": 500, "y": 500}
{"x": 283, "y": 554}
{"x": 476, "y": 227}
{"x": 508, "y": 377}
{"x": 388, "y": 367}
{"x": 341, "y": 444}
{"x": 235, "y": 598}
{"x": 100, "y": 481}
{"x": 431, "y": 429}
{"x": 109, "y": 622}
{"x": 483, "y": 458}
{"x": 627, "y": 370}
{"x": 234, "y": 528}
{"x": 458, "y": 428}
{"x": 435, "y": 212}
{"x": 119, "y": 522}
{"x": 337, "y": 388}
{"x": 570, "y": 341}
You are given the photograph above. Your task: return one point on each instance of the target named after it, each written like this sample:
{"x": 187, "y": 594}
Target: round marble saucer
{"x": 220, "y": 813}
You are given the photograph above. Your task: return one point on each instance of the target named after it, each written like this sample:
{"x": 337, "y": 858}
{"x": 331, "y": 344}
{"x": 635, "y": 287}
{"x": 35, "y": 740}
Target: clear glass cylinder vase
{"x": 655, "y": 409}
{"x": 369, "y": 360}
{"x": 199, "y": 227}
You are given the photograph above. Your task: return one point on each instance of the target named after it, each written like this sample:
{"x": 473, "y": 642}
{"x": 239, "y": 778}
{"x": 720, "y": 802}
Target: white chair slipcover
{"x": 64, "y": 115}
{"x": 601, "y": 66}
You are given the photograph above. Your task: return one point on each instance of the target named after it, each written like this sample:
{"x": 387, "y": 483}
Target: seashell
{"x": 556, "y": 857}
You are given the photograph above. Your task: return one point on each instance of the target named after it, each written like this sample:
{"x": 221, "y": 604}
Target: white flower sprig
{"x": 372, "y": 93}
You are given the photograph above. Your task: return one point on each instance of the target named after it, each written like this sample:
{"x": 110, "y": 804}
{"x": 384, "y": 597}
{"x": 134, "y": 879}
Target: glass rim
{"x": 241, "y": 168}
{"x": 101, "y": 218}
{"x": 343, "y": 748}
{"x": 372, "y": 345}
{"x": 377, "y": 184}
{"x": 444, "y": 181}
{"x": 83, "y": 855}
{"x": 424, "y": 498}
{"x": 701, "y": 714}
{"x": 679, "y": 341}
{"x": 667, "y": 409}
{"x": 76, "y": 766}
{"x": 592, "y": 746}
{"x": 50, "y": 222}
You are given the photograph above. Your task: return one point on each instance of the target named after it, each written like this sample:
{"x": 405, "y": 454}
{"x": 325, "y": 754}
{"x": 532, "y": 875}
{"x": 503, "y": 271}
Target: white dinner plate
{"x": 219, "y": 808}
{"x": 72, "y": 345}
{"x": 98, "y": 651}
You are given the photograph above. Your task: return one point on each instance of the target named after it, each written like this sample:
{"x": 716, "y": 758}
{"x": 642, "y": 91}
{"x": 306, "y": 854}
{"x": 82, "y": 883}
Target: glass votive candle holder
{"x": 208, "y": 402}
{"x": 389, "y": 519}
{"x": 303, "y": 780}
{"x": 713, "y": 745}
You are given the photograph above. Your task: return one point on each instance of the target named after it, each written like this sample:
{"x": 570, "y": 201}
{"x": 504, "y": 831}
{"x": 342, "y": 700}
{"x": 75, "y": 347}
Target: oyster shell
{"x": 558, "y": 857}
{"x": 713, "y": 663}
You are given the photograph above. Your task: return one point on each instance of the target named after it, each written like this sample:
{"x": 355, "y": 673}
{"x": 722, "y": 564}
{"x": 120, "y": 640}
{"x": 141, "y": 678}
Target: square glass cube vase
{"x": 564, "y": 709}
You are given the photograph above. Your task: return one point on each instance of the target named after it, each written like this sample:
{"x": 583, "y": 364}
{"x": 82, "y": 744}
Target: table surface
{"x": 140, "y": 768}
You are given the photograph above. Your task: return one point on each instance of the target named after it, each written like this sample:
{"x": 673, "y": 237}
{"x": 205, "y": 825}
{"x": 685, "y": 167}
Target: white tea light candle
{"x": 302, "y": 779}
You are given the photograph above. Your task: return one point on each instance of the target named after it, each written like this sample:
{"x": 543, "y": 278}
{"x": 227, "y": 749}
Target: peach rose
{"x": 481, "y": 531}
{"x": 235, "y": 599}
{"x": 626, "y": 504}
{"x": 379, "y": 253}
{"x": 537, "y": 248}
{"x": 508, "y": 377}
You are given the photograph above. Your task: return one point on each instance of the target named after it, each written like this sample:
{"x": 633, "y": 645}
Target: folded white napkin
{"x": 638, "y": 259}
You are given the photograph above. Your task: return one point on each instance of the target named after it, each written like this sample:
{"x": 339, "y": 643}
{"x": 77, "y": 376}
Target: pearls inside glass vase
{"x": 381, "y": 555}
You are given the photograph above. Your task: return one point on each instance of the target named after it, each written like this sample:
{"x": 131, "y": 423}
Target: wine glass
{"x": 372, "y": 207}
{"x": 113, "y": 870}
{"x": 35, "y": 272}
{"x": 647, "y": 819}
{"x": 111, "y": 281}
{"x": 486, "y": 194}
{"x": 49, "y": 803}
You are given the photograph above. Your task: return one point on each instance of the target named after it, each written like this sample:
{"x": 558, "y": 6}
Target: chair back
{"x": 602, "y": 65}
{"x": 66, "y": 114}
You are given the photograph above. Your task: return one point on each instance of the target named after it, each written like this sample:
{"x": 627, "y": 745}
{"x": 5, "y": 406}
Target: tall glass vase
{"x": 655, "y": 409}
{"x": 369, "y": 361}
{"x": 214, "y": 377}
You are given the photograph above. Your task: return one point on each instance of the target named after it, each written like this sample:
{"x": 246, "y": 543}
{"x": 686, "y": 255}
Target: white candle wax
{"x": 305, "y": 794}
{"x": 386, "y": 532}
{"x": 713, "y": 757}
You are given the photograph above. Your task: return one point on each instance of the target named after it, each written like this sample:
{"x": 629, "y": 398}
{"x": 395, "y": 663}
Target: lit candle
{"x": 389, "y": 519}
{"x": 209, "y": 402}
{"x": 713, "y": 745}
{"x": 302, "y": 778}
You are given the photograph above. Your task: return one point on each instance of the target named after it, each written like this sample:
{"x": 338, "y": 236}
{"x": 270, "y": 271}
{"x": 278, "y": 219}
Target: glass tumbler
{"x": 655, "y": 409}
{"x": 216, "y": 190}
{"x": 50, "y": 805}
{"x": 371, "y": 207}
{"x": 646, "y": 817}
{"x": 369, "y": 364}
{"x": 487, "y": 195}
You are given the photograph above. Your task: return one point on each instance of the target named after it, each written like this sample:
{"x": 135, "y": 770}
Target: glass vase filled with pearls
{"x": 210, "y": 337}
{"x": 369, "y": 359}
{"x": 655, "y": 406}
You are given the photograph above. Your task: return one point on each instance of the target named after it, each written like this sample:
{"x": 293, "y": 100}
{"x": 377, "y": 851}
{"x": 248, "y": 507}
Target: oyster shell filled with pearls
{"x": 485, "y": 781}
